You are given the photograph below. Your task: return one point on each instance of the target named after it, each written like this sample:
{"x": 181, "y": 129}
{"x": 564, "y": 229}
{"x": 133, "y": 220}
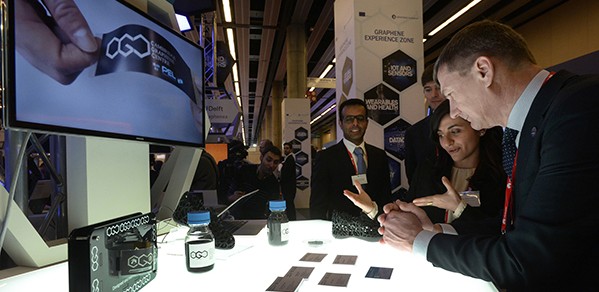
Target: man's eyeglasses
{"x": 350, "y": 119}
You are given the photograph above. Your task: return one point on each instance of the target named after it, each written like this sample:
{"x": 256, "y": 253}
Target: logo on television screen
{"x": 155, "y": 56}
{"x": 127, "y": 45}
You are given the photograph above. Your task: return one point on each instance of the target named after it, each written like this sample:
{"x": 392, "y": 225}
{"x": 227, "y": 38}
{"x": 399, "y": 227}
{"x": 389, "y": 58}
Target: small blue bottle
{"x": 277, "y": 223}
{"x": 199, "y": 242}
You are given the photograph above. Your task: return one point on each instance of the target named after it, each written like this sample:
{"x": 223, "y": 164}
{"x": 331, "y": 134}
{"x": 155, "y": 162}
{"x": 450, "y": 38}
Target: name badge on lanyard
{"x": 361, "y": 178}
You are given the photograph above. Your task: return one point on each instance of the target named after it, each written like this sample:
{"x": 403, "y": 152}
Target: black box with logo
{"x": 115, "y": 255}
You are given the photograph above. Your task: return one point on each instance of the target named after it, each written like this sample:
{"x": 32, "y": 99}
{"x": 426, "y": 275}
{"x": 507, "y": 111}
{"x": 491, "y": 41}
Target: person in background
{"x": 264, "y": 144}
{"x": 468, "y": 160}
{"x": 549, "y": 226}
{"x": 256, "y": 177}
{"x": 158, "y": 165}
{"x": 349, "y": 161}
{"x": 153, "y": 172}
{"x": 206, "y": 174}
{"x": 288, "y": 180}
{"x": 314, "y": 154}
{"x": 419, "y": 147}
{"x": 228, "y": 169}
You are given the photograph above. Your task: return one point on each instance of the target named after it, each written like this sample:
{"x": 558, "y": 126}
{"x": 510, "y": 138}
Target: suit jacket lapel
{"x": 372, "y": 159}
{"x": 342, "y": 155}
{"x": 532, "y": 131}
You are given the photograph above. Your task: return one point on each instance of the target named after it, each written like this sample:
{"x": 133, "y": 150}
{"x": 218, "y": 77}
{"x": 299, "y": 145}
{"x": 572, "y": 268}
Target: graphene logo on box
{"x": 127, "y": 45}
{"x": 94, "y": 258}
{"x": 127, "y": 225}
{"x": 138, "y": 284}
{"x": 141, "y": 261}
{"x": 96, "y": 285}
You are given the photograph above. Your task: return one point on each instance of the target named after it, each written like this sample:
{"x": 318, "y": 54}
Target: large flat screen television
{"x": 143, "y": 82}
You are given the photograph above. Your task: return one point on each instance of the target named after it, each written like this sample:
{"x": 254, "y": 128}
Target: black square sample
{"x": 335, "y": 279}
{"x": 302, "y": 272}
{"x": 379, "y": 273}
{"x": 345, "y": 260}
{"x": 313, "y": 257}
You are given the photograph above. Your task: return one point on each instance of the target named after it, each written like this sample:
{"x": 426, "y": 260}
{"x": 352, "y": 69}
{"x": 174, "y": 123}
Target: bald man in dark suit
{"x": 547, "y": 239}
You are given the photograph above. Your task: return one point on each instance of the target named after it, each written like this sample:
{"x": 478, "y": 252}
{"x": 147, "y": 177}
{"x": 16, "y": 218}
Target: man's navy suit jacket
{"x": 552, "y": 245}
{"x": 332, "y": 174}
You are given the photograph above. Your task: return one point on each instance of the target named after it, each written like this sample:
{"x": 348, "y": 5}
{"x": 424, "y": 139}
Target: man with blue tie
{"x": 546, "y": 238}
{"x": 350, "y": 160}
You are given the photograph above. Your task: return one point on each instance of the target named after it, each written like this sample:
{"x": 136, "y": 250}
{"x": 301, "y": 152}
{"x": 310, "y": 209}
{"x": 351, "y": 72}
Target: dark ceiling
{"x": 260, "y": 29}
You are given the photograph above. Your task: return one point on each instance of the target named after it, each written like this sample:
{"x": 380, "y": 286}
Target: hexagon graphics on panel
{"x": 298, "y": 171}
{"x": 394, "y": 173}
{"x": 382, "y": 103}
{"x": 296, "y": 146}
{"x": 301, "y": 134}
{"x": 133, "y": 261}
{"x": 348, "y": 75}
{"x": 302, "y": 182}
{"x": 301, "y": 158}
{"x": 399, "y": 70}
{"x": 394, "y": 138}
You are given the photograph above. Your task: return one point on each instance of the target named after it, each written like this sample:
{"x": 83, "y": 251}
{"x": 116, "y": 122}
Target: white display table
{"x": 253, "y": 265}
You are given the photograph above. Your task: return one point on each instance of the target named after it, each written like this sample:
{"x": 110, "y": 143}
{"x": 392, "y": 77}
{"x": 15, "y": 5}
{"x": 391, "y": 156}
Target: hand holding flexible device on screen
{"x": 64, "y": 44}
{"x": 81, "y": 67}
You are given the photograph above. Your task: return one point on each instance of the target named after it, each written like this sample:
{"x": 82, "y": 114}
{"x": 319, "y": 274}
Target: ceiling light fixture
{"x": 242, "y": 129}
{"x": 227, "y": 10}
{"x": 454, "y": 17}
{"x": 237, "y": 92}
{"x": 184, "y": 23}
{"x": 324, "y": 73}
{"x": 323, "y": 113}
{"x": 231, "y": 40}
{"x": 235, "y": 73}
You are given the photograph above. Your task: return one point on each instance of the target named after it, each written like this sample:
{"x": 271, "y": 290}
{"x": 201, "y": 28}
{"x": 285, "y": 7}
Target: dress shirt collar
{"x": 520, "y": 111}
{"x": 351, "y": 146}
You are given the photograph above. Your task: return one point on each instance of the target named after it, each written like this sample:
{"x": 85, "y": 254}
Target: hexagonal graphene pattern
{"x": 383, "y": 103}
{"x": 399, "y": 70}
{"x": 302, "y": 183}
{"x": 301, "y": 158}
{"x": 301, "y": 134}
{"x": 348, "y": 76}
{"x": 296, "y": 146}
{"x": 394, "y": 138}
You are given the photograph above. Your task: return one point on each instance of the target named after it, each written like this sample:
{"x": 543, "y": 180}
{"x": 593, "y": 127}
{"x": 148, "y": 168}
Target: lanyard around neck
{"x": 508, "y": 204}
{"x": 353, "y": 162}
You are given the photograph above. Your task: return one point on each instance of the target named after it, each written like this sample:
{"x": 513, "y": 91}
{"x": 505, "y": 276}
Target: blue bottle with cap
{"x": 277, "y": 223}
{"x": 199, "y": 242}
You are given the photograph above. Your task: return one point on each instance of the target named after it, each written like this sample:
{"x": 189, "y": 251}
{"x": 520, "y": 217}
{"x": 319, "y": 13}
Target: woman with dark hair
{"x": 468, "y": 161}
